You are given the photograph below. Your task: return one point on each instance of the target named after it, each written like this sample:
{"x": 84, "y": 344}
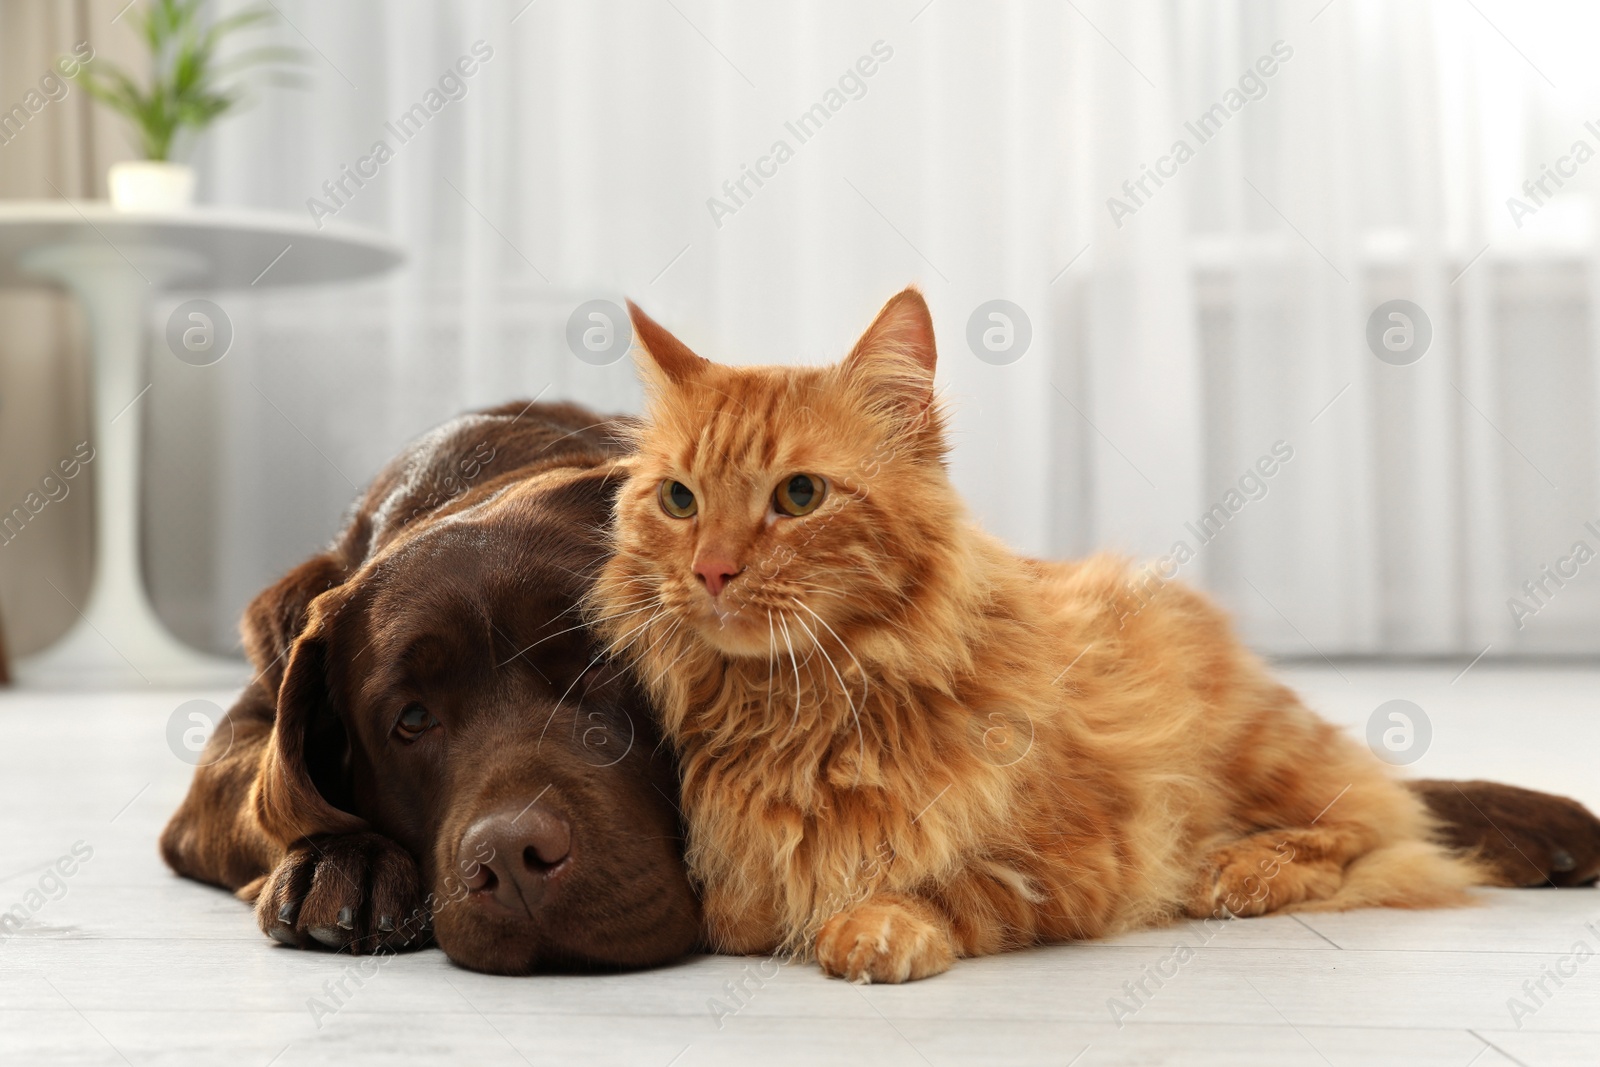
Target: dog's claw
{"x": 327, "y": 935}
{"x": 342, "y": 892}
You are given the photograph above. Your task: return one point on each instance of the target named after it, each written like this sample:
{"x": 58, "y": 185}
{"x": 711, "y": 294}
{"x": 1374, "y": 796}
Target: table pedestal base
{"x": 115, "y": 262}
{"x": 118, "y": 641}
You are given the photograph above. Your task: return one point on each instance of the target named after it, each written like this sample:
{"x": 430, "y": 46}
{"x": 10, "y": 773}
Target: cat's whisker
{"x": 643, "y": 607}
{"x": 586, "y": 577}
{"x": 575, "y": 608}
{"x": 663, "y": 638}
{"x": 563, "y": 697}
{"x": 796, "y": 665}
{"x": 772, "y": 659}
{"x": 558, "y": 633}
{"x": 639, "y": 579}
{"x": 865, "y": 681}
{"x": 614, "y": 607}
{"x": 626, "y": 639}
{"x": 861, "y": 736}
{"x": 637, "y": 586}
{"x": 687, "y": 648}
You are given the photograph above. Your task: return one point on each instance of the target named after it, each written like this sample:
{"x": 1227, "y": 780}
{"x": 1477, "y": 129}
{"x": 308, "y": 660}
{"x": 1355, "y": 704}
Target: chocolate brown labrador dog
{"x": 434, "y": 745}
{"x": 432, "y": 738}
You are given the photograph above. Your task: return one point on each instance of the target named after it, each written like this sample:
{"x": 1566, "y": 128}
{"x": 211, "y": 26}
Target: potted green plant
{"x": 190, "y": 87}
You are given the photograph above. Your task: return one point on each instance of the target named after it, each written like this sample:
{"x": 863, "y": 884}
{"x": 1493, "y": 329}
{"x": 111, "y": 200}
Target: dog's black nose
{"x": 510, "y": 855}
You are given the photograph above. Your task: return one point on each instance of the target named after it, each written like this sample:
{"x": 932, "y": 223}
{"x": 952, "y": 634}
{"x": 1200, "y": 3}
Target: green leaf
{"x": 186, "y": 89}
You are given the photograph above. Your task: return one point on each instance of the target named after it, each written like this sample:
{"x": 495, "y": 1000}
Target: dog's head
{"x": 447, "y": 696}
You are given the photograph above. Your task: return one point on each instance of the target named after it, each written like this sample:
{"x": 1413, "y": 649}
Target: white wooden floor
{"x": 132, "y": 966}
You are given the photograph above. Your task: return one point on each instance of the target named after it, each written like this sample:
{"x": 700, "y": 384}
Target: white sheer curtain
{"x": 1169, "y": 355}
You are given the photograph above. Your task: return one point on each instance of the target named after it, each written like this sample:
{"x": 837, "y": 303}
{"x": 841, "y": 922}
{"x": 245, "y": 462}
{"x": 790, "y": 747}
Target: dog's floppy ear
{"x": 304, "y": 776}
{"x": 278, "y": 613}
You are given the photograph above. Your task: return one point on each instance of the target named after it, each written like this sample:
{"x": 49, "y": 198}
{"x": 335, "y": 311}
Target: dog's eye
{"x": 800, "y": 495}
{"x": 677, "y": 499}
{"x": 415, "y": 720}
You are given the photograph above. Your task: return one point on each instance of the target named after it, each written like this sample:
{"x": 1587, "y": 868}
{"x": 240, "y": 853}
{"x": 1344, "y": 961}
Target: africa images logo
{"x": 852, "y": 85}
{"x": 1252, "y": 86}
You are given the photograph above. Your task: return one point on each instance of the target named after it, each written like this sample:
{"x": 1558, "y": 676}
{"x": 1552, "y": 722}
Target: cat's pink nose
{"x": 715, "y": 573}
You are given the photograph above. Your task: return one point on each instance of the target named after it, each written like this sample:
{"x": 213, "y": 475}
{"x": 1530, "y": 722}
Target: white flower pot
{"x": 149, "y": 185}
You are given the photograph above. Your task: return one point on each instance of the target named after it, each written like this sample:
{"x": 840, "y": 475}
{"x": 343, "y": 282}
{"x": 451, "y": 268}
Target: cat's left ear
{"x": 662, "y": 350}
{"x": 897, "y": 352}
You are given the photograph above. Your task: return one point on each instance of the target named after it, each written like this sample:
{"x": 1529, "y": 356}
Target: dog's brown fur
{"x": 1523, "y": 838}
{"x": 902, "y": 743}
{"x": 454, "y": 586}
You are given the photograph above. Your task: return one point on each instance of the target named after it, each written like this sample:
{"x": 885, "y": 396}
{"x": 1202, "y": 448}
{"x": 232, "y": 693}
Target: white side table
{"x": 115, "y": 263}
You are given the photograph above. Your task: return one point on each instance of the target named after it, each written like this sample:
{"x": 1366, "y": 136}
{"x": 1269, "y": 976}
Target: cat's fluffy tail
{"x": 1406, "y": 874}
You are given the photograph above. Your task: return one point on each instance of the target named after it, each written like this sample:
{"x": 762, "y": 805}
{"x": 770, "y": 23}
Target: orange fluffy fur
{"x": 903, "y": 743}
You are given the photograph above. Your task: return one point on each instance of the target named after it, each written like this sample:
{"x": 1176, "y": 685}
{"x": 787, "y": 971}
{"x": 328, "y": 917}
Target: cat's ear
{"x": 662, "y": 351}
{"x": 897, "y": 352}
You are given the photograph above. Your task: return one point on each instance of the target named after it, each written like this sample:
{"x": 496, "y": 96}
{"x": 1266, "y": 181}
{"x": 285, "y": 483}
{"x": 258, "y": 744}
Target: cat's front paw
{"x": 885, "y": 940}
{"x": 1264, "y": 873}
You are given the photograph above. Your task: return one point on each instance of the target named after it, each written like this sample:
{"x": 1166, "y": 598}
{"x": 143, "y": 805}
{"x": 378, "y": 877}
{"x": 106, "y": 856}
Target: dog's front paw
{"x": 885, "y": 940}
{"x": 359, "y": 893}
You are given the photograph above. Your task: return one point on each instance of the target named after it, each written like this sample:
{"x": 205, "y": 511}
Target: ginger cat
{"x": 903, "y": 743}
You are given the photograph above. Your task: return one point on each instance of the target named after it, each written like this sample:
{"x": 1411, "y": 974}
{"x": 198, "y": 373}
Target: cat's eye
{"x": 800, "y": 494}
{"x": 677, "y": 499}
{"x": 415, "y": 720}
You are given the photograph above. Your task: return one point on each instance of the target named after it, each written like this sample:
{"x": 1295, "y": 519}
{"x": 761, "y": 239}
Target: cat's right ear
{"x": 661, "y": 351}
{"x": 897, "y": 355}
